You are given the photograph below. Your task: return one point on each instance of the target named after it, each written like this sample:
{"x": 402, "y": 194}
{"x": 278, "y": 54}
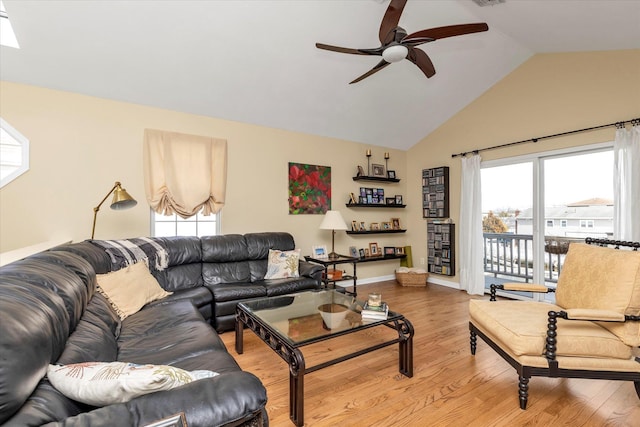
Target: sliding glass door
{"x": 535, "y": 206}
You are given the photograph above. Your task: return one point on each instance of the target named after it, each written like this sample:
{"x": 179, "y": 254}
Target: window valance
{"x": 183, "y": 173}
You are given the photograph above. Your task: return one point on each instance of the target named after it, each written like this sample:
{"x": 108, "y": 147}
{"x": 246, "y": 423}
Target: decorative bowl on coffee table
{"x": 333, "y": 314}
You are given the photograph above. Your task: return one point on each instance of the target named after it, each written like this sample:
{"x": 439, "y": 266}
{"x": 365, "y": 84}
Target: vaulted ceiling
{"x": 256, "y": 61}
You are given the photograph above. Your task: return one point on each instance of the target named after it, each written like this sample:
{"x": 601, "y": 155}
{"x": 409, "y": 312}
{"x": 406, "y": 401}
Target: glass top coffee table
{"x": 287, "y": 323}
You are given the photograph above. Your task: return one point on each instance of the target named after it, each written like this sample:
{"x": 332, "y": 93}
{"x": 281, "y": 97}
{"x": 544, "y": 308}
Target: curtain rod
{"x": 634, "y": 122}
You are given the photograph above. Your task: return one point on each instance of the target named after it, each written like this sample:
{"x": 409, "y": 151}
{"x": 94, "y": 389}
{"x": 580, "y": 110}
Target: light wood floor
{"x": 450, "y": 387}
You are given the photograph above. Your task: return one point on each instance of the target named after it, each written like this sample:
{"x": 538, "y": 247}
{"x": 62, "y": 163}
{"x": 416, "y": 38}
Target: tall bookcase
{"x": 441, "y": 239}
{"x": 435, "y": 192}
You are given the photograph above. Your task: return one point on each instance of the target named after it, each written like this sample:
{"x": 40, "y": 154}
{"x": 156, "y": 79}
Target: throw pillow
{"x": 130, "y": 288}
{"x": 102, "y": 383}
{"x": 283, "y": 264}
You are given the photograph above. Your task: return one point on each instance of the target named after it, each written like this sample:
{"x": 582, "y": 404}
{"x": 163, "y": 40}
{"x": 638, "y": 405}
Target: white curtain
{"x": 471, "y": 250}
{"x": 626, "y": 184}
{"x": 184, "y": 174}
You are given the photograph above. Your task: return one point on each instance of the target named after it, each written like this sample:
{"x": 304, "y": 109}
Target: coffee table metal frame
{"x": 291, "y": 354}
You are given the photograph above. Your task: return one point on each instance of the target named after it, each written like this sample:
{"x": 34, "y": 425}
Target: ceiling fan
{"x": 398, "y": 45}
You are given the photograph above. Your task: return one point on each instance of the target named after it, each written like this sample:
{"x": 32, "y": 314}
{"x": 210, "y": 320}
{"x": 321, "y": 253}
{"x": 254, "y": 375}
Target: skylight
{"x": 7, "y": 36}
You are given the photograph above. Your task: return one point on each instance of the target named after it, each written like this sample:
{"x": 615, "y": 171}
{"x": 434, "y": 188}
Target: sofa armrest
{"x": 310, "y": 269}
{"x": 225, "y": 400}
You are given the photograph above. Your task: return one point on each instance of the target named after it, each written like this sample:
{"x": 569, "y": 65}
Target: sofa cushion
{"x": 105, "y": 383}
{"x": 283, "y": 264}
{"x": 225, "y": 248}
{"x": 130, "y": 288}
{"x": 522, "y": 327}
{"x": 95, "y": 336}
{"x": 226, "y": 272}
{"x": 600, "y": 278}
{"x": 258, "y": 244}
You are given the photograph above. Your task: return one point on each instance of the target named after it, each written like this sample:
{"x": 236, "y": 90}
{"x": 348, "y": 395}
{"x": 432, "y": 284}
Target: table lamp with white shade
{"x": 333, "y": 221}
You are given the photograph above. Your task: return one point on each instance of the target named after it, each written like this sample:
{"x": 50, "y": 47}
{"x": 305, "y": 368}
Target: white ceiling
{"x": 255, "y": 61}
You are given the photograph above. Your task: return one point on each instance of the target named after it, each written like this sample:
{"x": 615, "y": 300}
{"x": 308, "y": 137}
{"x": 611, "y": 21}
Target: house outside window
{"x": 173, "y": 225}
{"x": 586, "y": 223}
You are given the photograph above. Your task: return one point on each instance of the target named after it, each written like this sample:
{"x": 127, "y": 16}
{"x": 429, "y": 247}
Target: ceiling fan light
{"x": 395, "y": 53}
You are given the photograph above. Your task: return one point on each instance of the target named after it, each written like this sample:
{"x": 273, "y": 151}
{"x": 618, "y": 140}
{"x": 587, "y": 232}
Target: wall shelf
{"x": 375, "y": 231}
{"x": 373, "y": 205}
{"x": 375, "y": 179}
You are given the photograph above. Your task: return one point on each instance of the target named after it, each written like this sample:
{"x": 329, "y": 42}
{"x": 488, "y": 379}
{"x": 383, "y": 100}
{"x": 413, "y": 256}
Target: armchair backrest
{"x": 603, "y": 278}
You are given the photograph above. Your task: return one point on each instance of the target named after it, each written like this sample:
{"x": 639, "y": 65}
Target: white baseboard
{"x": 430, "y": 279}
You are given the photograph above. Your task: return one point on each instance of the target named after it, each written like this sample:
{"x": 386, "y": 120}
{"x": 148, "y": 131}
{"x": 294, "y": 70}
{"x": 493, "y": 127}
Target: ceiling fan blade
{"x": 391, "y": 19}
{"x": 422, "y": 60}
{"x": 448, "y": 31}
{"x": 340, "y": 49}
{"x": 379, "y": 66}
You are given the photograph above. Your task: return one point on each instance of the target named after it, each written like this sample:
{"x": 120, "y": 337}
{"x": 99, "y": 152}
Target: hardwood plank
{"x": 450, "y": 387}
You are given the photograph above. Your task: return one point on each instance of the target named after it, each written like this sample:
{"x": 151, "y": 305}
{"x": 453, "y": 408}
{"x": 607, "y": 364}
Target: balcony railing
{"x": 510, "y": 256}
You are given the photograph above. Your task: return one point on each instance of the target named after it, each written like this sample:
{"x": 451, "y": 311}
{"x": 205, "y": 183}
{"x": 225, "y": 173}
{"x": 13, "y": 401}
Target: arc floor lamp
{"x": 121, "y": 200}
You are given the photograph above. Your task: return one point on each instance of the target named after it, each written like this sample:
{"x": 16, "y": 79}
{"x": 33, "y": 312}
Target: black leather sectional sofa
{"x": 51, "y": 314}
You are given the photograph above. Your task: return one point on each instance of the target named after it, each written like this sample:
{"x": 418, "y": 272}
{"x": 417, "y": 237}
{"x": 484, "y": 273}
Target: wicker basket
{"x": 412, "y": 279}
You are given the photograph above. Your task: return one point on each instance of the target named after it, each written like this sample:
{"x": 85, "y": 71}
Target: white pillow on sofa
{"x": 283, "y": 264}
{"x": 106, "y": 383}
{"x": 130, "y": 288}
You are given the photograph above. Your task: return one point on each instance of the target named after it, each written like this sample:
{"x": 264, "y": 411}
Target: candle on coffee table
{"x": 375, "y": 299}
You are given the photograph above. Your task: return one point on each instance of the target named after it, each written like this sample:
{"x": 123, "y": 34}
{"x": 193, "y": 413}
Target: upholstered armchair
{"x": 592, "y": 331}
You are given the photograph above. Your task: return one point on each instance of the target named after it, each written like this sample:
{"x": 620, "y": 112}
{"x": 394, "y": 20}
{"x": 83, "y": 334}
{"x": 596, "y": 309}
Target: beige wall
{"x": 548, "y": 94}
{"x": 81, "y": 145}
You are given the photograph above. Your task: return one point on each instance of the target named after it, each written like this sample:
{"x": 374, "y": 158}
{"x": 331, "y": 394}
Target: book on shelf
{"x": 375, "y": 312}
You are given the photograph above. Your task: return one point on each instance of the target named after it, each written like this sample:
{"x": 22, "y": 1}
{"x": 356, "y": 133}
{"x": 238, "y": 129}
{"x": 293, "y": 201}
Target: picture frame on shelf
{"x": 395, "y": 223}
{"x": 374, "y": 226}
{"x": 400, "y": 250}
{"x": 320, "y": 251}
{"x": 390, "y": 200}
{"x": 378, "y": 171}
{"x": 389, "y": 250}
{"x": 386, "y": 225}
{"x": 354, "y": 225}
{"x": 391, "y": 174}
{"x": 363, "y": 227}
{"x": 374, "y": 250}
{"x": 352, "y": 198}
{"x": 360, "y": 171}
{"x": 398, "y": 199}
{"x": 366, "y": 253}
{"x": 353, "y": 252}
{"x": 361, "y": 253}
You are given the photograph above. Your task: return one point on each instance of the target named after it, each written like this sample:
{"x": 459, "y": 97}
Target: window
{"x": 7, "y": 35}
{"x": 538, "y": 191}
{"x": 14, "y": 153}
{"x": 173, "y": 225}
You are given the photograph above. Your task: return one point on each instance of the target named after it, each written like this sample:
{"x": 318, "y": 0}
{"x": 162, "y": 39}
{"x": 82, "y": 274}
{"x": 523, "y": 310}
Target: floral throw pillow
{"x": 105, "y": 383}
{"x": 283, "y": 264}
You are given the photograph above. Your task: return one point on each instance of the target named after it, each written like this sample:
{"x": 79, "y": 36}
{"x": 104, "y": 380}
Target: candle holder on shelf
{"x": 369, "y": 162}
{"x": 386, "y": 161}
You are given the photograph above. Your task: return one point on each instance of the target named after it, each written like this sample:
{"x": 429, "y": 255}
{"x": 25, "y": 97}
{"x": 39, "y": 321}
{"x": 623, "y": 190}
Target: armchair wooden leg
{"x": 473, "y": 340}
{"x": 523, "y": 392}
